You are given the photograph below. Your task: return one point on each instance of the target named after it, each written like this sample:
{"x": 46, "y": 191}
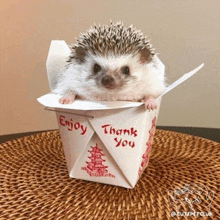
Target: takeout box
{"x": 106, "y": 142}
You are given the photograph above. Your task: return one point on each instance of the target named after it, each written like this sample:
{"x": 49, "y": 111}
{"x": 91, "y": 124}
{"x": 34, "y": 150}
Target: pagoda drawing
{"x": 95, "y": 166}
{"x": 149, "y": 145}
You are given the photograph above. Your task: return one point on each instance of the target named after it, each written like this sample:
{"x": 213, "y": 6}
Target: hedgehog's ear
{"x": 80, "y": 53}
{"x": 145, "y": 55}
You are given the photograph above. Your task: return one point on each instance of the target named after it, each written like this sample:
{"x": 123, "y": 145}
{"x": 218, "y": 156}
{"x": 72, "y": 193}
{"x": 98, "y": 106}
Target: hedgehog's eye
{"x": 96, "y": 68}
{"x": 126, "y": 70}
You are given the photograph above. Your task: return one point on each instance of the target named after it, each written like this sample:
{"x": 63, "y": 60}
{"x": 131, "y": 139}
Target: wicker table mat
{"x": 183, "y": 176}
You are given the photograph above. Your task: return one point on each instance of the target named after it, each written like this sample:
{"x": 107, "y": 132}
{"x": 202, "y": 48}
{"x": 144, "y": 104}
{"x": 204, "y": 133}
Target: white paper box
{"x": 107, "y": 142}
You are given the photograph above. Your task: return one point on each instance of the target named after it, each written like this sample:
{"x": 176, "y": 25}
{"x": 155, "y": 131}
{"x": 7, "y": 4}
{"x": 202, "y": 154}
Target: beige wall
{"x": 185, "y": 33}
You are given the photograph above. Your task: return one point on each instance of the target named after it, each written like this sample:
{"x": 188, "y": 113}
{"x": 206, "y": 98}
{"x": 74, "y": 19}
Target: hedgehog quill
{"x": 111, "y": 63}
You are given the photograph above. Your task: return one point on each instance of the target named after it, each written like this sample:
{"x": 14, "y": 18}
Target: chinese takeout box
{"x": 106, "y": 142}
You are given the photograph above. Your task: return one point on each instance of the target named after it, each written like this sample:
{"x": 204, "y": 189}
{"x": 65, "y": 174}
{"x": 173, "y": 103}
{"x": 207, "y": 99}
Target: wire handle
{"x": 50, "y": 109}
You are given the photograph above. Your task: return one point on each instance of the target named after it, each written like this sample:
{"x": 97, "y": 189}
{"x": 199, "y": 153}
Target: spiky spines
{"x": 114, "y": 39}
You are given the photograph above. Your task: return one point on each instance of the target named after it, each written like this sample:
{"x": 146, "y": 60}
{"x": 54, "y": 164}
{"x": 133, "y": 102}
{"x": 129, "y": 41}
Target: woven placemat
{"x": 183, "y": 175}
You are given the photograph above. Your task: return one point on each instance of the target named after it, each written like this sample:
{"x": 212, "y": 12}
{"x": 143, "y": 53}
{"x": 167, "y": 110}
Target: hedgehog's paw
{"x": 67, "y": 99}
{"x": 150, "y": 103}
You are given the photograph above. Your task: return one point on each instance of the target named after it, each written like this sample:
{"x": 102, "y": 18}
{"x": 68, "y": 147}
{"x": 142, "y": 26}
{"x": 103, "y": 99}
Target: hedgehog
{"x": 111, "y": 63}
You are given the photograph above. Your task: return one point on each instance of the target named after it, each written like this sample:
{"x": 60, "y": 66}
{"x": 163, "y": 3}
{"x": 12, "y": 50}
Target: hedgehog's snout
{"x": 108, "y": 82}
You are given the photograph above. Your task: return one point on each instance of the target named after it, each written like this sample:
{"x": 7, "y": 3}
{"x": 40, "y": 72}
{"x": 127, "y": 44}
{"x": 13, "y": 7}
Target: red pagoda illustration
{"x": 95, "y": 166}
{"x": 149, "y": 145}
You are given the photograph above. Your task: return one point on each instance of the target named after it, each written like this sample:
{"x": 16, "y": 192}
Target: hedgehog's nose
{"x": 108, "y": 82}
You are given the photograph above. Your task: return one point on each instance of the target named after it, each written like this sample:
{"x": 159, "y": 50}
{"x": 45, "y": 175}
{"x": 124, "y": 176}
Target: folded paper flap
{"x": 52, "y": 100}
{"x": 182, "y": 79}
{"x": 56, "y": 60}
{"x": 59, "y": 47}
{"x": 74, "y": 130}
{"x": 123, "y": 134}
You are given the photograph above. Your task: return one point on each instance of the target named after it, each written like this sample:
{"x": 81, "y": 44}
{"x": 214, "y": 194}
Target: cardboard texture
{"x": 106, "y": 142}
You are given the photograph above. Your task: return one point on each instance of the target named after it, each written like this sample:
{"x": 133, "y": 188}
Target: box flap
{"x": 182, "y": 79}
{"x": 122, "y": 132}
{"x": 56, "y": 60}
{"x": 75, "y": 132}
{"x": 96, "y": 164}
{"x": 52, "y": 101}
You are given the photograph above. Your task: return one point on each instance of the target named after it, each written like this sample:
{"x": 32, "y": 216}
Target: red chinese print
{"x": 95, "y": 166}
{"x": 149, "y": 145}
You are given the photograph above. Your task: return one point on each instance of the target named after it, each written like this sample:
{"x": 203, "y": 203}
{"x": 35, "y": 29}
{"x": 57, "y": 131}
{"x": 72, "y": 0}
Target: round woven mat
{"x": 183, "y": 175}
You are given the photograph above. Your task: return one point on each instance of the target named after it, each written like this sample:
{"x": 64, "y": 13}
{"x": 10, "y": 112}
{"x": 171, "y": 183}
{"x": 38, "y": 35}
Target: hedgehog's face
{"x": 113, "y": 73}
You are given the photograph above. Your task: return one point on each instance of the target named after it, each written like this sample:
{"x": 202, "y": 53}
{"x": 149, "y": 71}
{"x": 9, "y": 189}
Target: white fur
{"x": 150, "y": 78}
